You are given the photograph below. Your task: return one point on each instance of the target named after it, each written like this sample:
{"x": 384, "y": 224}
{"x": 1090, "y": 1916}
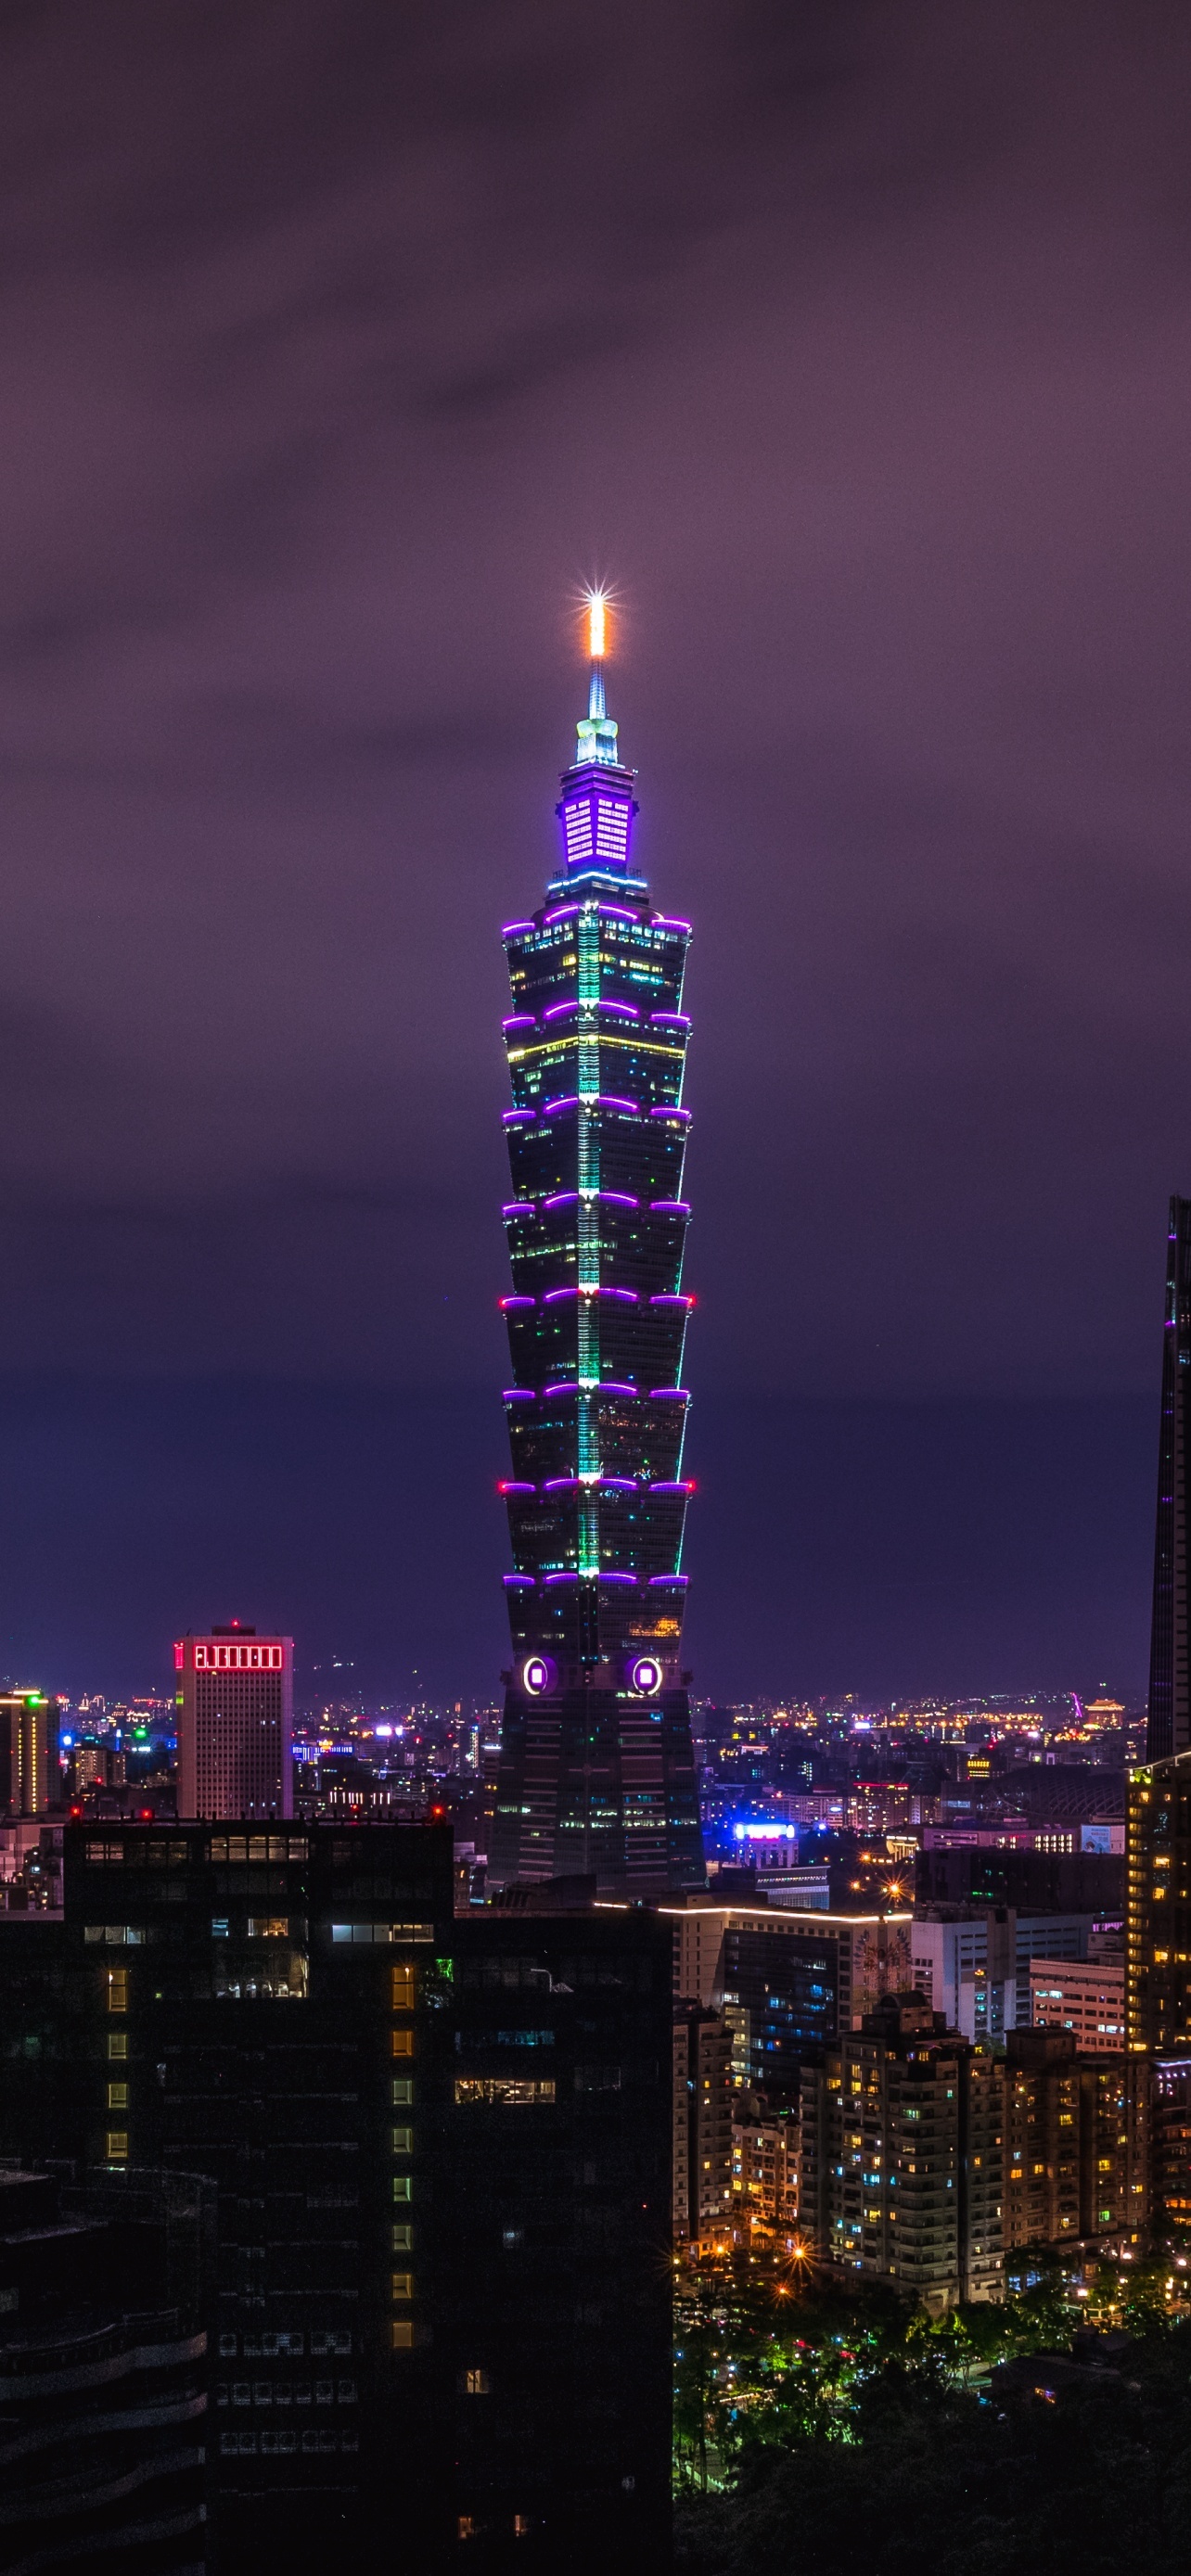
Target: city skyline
{"x": 283, "y": 671}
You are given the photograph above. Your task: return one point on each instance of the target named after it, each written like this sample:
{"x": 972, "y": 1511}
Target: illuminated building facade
{"x": 702, "y": 2176}
{"x": 904, "y": 2173}
{"x": 1072, "y": 2167}
{"x": 235, "y": 1700}
{"x": 1169, "y": 1709}
{"x": 29, "y": 1779}
{"x": 596, "y": 1770}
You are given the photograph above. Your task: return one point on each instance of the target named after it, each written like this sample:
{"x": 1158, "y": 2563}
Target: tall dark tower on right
{"x": 596, "y": 1771}
{"x": 1169, "y": 1724}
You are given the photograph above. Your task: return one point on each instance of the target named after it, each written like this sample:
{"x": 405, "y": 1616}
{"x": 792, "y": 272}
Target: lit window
{"x": 476, "y": 2383}
{"x": 117, "y": 2150}
{"x": 401, "y": 2334}
{"x": 117, "y": 2097}
{"x": 403, "y": 2285}
{"x": 504, "y": 2088}
{"x": 402, "y": 2142}
{"x": 403, "y": 2043}
{"x": 117, "y": 2043}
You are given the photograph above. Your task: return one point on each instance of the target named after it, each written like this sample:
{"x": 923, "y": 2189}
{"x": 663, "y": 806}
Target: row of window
{"x": 309, "y": 2439}
{"x": 286, "y": 2392}
{"x": 116, "y": 1852}
{"x": 271, "y": 2347}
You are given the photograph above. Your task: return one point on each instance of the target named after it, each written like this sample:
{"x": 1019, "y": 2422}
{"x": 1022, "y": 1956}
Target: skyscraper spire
{"x": 596, "y": 732}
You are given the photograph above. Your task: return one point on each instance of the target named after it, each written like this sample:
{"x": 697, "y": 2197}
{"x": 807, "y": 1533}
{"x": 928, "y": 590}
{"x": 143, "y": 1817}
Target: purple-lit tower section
{"x": 596, "y": 1771}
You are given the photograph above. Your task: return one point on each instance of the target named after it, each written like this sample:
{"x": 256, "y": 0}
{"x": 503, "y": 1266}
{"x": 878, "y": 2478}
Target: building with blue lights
{"x": 596, "y": 1767}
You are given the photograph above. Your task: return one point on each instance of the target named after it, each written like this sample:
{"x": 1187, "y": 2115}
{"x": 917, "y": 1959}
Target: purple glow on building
{"x": 597, "y": 1461}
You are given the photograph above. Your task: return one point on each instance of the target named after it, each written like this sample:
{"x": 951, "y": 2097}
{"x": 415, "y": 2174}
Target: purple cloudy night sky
{"x": 340, "y": 344}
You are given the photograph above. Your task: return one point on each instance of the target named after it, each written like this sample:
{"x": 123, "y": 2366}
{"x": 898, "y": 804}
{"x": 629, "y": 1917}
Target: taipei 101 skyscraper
{"x": 596, "y": 1768}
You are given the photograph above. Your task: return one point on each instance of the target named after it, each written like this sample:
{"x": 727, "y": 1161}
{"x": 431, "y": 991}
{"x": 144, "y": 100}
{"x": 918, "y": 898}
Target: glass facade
{"x": 596, "y": 1767}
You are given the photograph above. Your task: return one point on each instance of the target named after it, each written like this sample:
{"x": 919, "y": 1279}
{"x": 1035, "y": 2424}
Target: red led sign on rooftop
{"x": 210, "y": 1657}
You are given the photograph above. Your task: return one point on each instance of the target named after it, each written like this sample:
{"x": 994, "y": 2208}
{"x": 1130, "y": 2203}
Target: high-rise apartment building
{"x": 596, "y": 1768}
{"x": 235, "y": 1705}
{"x": 1158, "y": 1910}
{"x": 902, "y": 2141}
{"x": 29, "y": 1780}
{"x": 702, "y": 2183}
{"x": 766, "y": 2163}
{"x": 1073, "y": 2171}
{"x": 1169, "y": 1721}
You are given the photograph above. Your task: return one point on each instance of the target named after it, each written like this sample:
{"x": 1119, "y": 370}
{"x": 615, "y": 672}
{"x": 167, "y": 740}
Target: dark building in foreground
{"x": 596, "y": 1768}
{"x": 1169, "y": 1711}
{"x": 104, "y": 2374}
{"x": 442, "y": 2154}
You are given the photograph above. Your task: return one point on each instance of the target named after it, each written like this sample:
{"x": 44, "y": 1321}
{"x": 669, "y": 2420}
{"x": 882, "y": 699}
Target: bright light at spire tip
{"x": 597, "y": 609}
